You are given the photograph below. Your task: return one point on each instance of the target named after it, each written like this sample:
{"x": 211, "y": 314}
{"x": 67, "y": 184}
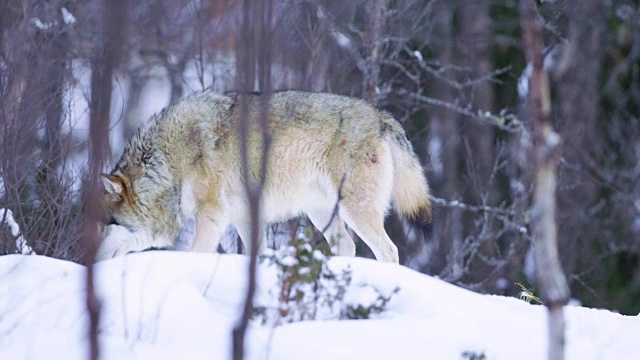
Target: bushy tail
{"x": 411, "y": 195}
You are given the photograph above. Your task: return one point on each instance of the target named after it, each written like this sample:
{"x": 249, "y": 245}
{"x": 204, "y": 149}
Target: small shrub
{"x": 473, "y": 355}
{"x": 527, "y": 295}
{"x": 361, "y": 310}
{"x": 308, "y": 289}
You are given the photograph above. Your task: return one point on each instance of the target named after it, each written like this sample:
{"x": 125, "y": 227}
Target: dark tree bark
{"x": 103, "y": 62}
{"x": 175, "y": 71}
{"x": 475, "y": 51}
{"x": 375, "y": 39}
{"x": 476, "y": 149}
{"x": 443, "y": 145}
{"x": 254, "y": 54}
{"x": 137, "y": 81}
{"x": 577, "y": 82}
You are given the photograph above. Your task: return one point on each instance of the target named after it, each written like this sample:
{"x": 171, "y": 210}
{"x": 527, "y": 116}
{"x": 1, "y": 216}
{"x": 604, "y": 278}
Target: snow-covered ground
{"x": 177, "y": 305}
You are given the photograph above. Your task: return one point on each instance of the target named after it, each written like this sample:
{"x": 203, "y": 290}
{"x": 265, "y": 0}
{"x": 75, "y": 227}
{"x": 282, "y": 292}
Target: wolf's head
{"x": 129, "y": 227}
{"x": 119, "y": 202}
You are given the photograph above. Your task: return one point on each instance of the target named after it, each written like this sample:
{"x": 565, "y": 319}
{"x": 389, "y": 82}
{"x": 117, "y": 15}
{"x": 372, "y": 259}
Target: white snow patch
{"x": 341, "y": 39}
{"x": 288, "y": 261}
{"x": 435, "y": 149}
{"x": 168, "y": 305}
{"x": 365, "y": 297}
{"x": 40, "y": 25}
{"x": 318, "y": 255}
{"x": 67, "y": 16}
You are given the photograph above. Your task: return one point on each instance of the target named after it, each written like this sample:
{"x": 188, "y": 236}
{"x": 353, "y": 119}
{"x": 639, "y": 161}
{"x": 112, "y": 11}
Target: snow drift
{"x": 167, "y": 305}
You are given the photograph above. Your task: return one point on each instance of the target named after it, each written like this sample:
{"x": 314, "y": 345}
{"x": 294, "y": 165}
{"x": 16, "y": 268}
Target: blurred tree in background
{"x": 453, "y": 72}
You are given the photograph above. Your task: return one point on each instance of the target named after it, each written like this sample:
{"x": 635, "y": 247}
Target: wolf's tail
{"x": 411, "y": 195}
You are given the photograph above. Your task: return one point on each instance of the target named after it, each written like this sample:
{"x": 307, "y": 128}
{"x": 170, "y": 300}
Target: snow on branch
{"x": 21, "y": 243}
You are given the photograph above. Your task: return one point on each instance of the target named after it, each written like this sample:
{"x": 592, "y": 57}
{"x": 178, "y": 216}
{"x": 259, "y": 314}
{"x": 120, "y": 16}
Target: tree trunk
{"x": 443, "y": 147}
{"x": 105, "y": 57}
{"x": 475, "y": 53}
{"x": 254, "y": 54}
{"x": 577, "y": 83}
{"x": 137, "y": 80}
{"x": 375, "y": 39}
{"x": 477, "y": 151}
{"x": 553, "y": 285}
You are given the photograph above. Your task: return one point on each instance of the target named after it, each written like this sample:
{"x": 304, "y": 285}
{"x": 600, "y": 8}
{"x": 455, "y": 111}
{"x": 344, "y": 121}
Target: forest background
{"x": 453, "y": 72}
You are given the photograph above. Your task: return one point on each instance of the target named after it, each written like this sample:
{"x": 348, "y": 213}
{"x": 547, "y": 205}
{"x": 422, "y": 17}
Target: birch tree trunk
{"x": 550, "y": 277}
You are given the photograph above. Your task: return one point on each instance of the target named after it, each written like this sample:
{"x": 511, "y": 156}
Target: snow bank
{"x": 167, "y": 305}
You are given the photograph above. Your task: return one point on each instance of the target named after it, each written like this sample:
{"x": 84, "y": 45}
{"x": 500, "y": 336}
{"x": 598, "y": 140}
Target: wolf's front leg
{"x": 244, "y": 230}
{"x": 335, "y": 232}
{"x": 209, "y": 229}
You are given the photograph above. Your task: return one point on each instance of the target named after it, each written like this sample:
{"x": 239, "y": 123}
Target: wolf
{"x": 186, "y": 163}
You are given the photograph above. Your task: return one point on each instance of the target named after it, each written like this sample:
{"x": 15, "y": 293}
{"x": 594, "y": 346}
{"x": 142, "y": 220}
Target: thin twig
{"x": 472, "y": 208}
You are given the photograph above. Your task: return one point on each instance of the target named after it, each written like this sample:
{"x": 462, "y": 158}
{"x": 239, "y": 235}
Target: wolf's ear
{"x": 113, "y": 184}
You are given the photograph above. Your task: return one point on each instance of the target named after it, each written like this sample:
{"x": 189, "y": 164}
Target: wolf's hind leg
{"x": 336, "y": 234}
{"x": 367, "y": 192}
{"x": 369, "y": 225}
